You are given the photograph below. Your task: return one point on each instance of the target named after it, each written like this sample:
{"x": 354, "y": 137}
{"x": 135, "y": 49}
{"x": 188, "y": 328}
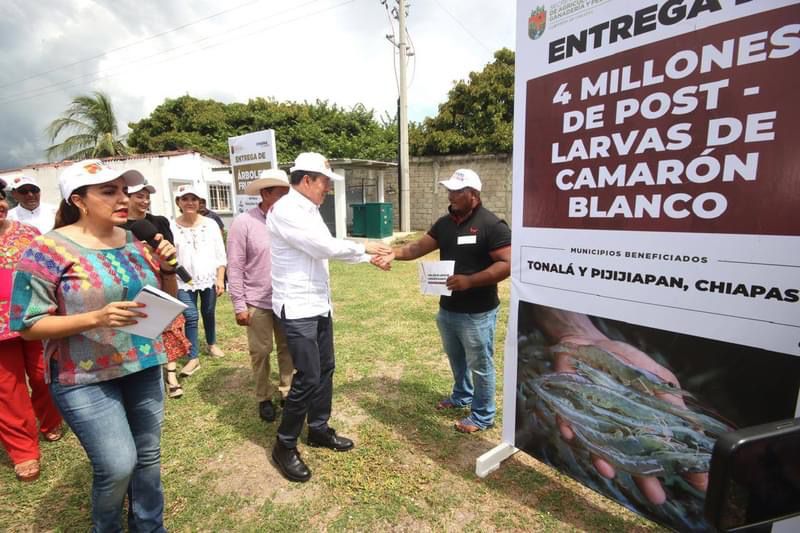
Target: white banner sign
{"x": 656, "y": 239}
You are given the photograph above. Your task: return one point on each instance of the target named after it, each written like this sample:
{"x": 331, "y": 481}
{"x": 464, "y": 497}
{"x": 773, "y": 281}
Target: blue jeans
{"x": 118, "y": 423}
{"x": 468, "y": 339}
{"x": 208, "y": 305}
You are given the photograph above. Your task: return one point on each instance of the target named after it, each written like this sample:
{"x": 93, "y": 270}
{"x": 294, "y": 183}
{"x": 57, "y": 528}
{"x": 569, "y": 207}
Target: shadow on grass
{"x": 67, "y": 506}
{"x": 406, "y": 406}
{"x": 229, "y": 390}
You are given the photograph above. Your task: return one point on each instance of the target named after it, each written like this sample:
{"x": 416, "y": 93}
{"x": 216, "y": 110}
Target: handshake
{"x": 382, "y": 255}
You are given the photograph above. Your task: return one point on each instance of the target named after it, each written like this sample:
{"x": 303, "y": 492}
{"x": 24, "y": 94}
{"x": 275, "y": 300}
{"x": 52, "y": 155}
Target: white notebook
{"x": 161, "y": 310}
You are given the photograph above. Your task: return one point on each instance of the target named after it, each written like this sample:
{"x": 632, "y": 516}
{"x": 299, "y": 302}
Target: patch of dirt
{"x": 404, "y": 524}
{"x": 389, "y": 375}
{"x": 236, "y": 380}
{"x": 238, "y": 344}
{"x": 247, "y": 471}
{"x": 320, "y": 521}
{"x": 391, "y": 370}
{"x": 349, "y": 416}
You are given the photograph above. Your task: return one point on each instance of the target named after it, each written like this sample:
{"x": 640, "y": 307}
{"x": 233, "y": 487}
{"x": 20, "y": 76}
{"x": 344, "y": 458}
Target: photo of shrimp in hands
{"x": 604, "y": 402}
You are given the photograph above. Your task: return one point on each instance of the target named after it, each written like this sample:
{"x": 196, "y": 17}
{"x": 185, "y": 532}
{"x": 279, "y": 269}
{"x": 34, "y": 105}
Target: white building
{"x": 164, "y": 170}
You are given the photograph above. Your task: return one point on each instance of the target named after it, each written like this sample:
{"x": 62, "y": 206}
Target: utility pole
{"x": 402, "y": 121}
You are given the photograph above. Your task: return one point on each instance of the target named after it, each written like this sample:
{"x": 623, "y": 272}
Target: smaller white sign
{"x": 250, "y": 154}
{"x": 433, "y": 277}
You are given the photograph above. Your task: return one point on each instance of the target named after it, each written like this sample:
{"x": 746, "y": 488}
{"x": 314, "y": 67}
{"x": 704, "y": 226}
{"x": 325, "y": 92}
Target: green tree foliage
{"x": 477, "y": 117}
{"x": 205, "y": 125}
{"x": 91, "y": 120}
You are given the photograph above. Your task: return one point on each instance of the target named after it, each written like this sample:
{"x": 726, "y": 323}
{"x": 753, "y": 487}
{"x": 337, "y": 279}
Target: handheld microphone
{"x": 144, "y": 230}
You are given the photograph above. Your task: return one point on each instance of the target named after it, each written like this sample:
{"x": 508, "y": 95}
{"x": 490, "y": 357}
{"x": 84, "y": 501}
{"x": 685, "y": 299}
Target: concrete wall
{"x": 361, "y": 185}
{"x": 429, "y": 199}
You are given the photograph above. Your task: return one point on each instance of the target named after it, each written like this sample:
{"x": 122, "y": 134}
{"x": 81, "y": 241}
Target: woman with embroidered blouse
{"x": 21, "y": 364}
{"x": 202, "y": 253}
{"x": 73, "y": 289}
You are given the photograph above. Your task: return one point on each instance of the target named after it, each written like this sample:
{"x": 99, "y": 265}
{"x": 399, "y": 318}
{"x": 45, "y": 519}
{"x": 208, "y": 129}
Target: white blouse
{"x": 200, "y": 251}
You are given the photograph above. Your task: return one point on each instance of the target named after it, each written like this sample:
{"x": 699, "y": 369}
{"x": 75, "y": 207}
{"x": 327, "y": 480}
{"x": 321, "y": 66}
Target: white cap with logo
{"x": 316, "y": 163}
{"x": 183, "y": 190}
{"x": 142, "y": 187}
{"x": 462, "y": 178}
{"x": 21, "y": 181}
{"x": 93, "y": 172}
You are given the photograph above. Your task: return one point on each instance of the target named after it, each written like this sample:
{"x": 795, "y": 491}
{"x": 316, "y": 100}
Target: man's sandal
{"x": 174, "y": 391}
{"x": 27, "y": 470}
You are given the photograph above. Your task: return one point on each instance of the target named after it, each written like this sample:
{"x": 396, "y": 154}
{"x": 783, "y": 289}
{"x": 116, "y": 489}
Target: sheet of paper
{"x": 161, "y": 310}
{"x": 433, "y": 277}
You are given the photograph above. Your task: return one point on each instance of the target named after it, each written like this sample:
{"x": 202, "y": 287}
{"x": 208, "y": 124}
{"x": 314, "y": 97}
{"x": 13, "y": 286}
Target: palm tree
{"x": 95, "y": 134}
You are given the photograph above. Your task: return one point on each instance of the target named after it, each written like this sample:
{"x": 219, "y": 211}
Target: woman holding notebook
{"x": 72, "y": 289}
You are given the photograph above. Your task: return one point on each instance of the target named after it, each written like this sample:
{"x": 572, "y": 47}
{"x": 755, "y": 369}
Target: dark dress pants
{"x": 310, "y": 342}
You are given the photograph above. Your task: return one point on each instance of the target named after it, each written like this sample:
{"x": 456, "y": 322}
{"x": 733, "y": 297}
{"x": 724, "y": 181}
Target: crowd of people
{"x": 69, "y": 276}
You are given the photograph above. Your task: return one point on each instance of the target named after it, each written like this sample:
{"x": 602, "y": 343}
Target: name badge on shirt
{"x": 467, "y": 239}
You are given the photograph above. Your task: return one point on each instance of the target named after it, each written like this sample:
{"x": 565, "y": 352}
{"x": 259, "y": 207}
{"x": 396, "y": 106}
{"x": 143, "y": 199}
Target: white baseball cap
{"x": 314, "y": 162}
{"x": 183, "y": 190}
{"x": 21, "y": 181}
{"x": 461, "y": 178}
{"x": 273, "y": 177}
{"x": 142, "y": 186}
{"x": 93, "y": 172}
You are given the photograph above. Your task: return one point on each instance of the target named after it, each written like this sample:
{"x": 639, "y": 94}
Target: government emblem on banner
{"x": 537, "y": 22}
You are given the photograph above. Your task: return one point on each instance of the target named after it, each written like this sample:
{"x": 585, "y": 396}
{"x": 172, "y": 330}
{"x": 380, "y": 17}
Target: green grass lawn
{"x": 410, "y": 470}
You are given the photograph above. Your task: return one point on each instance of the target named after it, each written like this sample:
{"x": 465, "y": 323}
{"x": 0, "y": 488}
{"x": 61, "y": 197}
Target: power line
{"x": 67, "y": 84}
{"x": 27, "y": 94}
{"x": 130, "y": 45}
{"x": 395, "y": 46}
{"x": 392, "y": 39}
{"x": 413, "y": 55}
{"x": 462, "y": 26}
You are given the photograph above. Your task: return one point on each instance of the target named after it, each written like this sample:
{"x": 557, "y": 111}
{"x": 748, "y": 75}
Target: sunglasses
{"x": 28, "y": 190}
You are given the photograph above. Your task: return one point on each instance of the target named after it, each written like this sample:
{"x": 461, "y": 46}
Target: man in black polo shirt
{"x": 480, "y": 244}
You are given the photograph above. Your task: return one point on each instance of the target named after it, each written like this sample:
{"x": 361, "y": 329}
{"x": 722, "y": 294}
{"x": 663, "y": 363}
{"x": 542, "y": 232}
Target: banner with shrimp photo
{"x": 656, "y": 240}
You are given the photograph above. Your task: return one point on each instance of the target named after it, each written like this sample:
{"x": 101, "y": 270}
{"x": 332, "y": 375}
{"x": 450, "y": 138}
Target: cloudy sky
{"x": 143, "y": 51}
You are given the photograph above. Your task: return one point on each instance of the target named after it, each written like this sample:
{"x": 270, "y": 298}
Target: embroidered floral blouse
{"x": 200, "y": 251}
{"x": 57, "y": 276}
{"x": 13, "y": 242}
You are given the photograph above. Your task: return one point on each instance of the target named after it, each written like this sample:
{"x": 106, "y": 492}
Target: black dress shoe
{"x": 266, "y": 411}
{"x": 289, "y": 463}
{"x": 329, "y": 439}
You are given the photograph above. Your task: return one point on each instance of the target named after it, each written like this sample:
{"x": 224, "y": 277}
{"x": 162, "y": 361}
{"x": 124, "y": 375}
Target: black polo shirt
{"x": 469, "y": 243}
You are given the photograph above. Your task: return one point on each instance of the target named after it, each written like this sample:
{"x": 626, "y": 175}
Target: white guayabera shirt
{"x": 42, "y": 218}
{"x": 301, "y": 247}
